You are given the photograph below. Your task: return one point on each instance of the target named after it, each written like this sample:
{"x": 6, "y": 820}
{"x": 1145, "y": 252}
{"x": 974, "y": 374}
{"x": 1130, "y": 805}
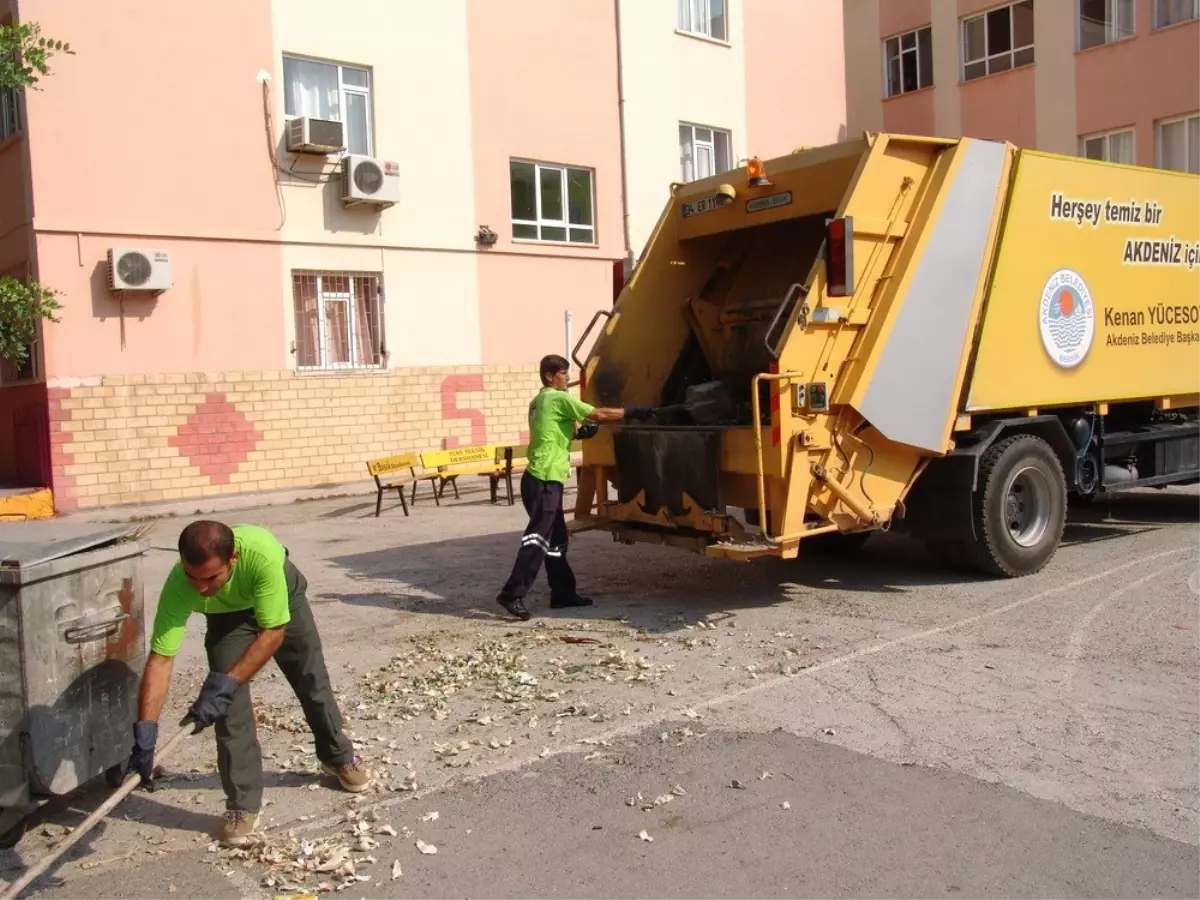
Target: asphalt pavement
{"x": 930, "y": 734}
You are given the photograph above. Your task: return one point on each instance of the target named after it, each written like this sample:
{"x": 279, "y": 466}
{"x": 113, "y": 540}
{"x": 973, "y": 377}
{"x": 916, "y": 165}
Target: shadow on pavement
{"x": 460, "y": 577}
{"x": 1145, "y": 507}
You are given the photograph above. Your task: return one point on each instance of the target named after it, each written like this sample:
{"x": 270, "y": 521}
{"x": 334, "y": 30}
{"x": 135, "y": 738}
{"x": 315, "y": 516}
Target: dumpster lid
{"x": 23, "y": 554}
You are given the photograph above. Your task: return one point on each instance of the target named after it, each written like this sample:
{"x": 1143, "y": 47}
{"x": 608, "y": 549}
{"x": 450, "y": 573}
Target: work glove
{"x": 141, "y": 760}
{"x": 587, "y": 430}
{"x": 216, "y": 694}
{"x": 638, "y": 412}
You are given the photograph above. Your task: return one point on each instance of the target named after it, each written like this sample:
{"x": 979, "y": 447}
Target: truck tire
{"x": 1020, "y": 507}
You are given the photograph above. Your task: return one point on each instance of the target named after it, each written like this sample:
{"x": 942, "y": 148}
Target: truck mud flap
{"x": 940, "y": 505}
{"x": 668, "y": 463}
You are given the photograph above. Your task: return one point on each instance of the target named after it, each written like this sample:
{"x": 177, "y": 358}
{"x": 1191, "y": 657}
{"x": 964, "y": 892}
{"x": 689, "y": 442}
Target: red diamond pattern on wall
{"x": 217, "y": 438}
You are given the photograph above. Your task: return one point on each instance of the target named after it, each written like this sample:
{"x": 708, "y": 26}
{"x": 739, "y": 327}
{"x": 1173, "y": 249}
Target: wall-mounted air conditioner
{"x": 305, "y": 135}
{"x": 367, "y": 180}
{"x": 135, "y": 269}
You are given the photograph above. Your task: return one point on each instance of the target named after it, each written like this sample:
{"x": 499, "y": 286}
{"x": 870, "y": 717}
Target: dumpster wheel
{"x": 114, "y": 775}
{"x": 1020, "y": 507}
{"x": 12, "y": 831}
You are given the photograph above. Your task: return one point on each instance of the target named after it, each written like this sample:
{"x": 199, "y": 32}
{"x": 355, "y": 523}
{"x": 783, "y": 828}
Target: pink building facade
{"x": 313, "y": 308}
{"x": 1117, "y": 80}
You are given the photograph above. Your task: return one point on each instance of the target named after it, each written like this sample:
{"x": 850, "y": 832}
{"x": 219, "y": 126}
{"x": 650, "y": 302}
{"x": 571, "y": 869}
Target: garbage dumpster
{"x": 72, "y": 648}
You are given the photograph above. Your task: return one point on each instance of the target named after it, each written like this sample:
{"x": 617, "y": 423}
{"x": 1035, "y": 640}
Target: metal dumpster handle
{"x": 81, "y": 634}
{"x": 783, "y": 307}
{"x": 583, "y": 337}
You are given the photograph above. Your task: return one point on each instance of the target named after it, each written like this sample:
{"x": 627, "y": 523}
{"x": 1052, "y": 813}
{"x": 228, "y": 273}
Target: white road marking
{"x": 641, "y": 724}
{"x": 1079, "y": 633}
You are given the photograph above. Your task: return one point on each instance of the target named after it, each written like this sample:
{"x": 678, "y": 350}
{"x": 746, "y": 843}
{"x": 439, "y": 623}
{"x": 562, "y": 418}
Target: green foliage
{"x": 24, "y": 58}
{"x": 25, "y": 55}
{"x": 23, "y": 304}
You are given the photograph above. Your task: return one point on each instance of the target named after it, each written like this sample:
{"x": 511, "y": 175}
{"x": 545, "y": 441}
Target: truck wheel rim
{"x": 1027, "y": 506}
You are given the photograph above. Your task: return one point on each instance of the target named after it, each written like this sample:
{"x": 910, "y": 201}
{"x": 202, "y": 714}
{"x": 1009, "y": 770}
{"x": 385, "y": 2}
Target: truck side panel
{"x": 913, "y": 392}
{"x": 1094, "y": 293}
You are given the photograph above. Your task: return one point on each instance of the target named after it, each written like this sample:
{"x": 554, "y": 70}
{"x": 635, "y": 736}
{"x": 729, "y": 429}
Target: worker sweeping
{"x": 253, "y": 599}
{"x": 553, "y": 417}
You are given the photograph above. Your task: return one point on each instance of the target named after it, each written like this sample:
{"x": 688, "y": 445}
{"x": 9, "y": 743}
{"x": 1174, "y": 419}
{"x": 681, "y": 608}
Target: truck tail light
{"x": 618, "y": 275}
{"x": 839, "y": 257}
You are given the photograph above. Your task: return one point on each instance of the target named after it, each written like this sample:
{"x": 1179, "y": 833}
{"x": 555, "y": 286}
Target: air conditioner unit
{"x": 305, "y": 135}
{"x": 367, "y": 180}
{"x": 134, "y": 269}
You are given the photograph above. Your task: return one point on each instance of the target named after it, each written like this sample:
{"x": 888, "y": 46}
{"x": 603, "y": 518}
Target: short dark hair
{"x": 551, "y": 365}
{"x": 204, "y": 539}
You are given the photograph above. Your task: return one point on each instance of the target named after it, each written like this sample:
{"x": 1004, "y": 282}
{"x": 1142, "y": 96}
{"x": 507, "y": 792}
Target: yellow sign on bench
{"x": 396, "y": 473}
{"x": 458, "y": 456}
{"x": 389, "y": 465}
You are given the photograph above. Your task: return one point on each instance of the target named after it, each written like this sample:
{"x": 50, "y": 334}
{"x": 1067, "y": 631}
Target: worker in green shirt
{"x": 553, "y": 417}
{"x": 253, "y": 600}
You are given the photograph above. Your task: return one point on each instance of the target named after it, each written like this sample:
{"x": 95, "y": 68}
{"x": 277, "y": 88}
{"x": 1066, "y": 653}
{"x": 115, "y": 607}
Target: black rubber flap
{"x": 668, "y": 463}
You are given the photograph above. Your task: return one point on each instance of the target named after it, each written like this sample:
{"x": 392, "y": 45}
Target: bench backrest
{"x": 390, "y": 465}
{"x": 438, "y": 459}
{"x": 519, "y": 454}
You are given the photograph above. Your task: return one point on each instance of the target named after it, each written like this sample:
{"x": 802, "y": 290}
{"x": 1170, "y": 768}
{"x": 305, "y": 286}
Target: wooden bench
{"x": 495, "y": 463}
{"x": 515, "y": 459}
{"x": 447, "y": 465}
{"x": 511, "y": 460}
{"x": 398, "y": 472}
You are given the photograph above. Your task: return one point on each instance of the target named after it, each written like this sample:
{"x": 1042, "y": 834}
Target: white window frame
{"x": 987, "y": 57}
{"x": 900, "y": 51}
{"x": 541, "y": 222}
{"x": 343, "y": 90}
{"x": 1112, "y": 10}
{"x": 1106, "y": 136}
{"x": 717, "y": 170}
{"x": 355, "y": 279}
{"x": 1158, "y": 141}
{"x": 1157, "y": 16}
{"x": 687, "y": 12}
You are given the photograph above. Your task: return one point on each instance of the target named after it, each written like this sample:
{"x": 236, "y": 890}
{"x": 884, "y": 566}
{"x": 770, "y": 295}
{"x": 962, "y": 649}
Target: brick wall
{"x": 143, "y": 439}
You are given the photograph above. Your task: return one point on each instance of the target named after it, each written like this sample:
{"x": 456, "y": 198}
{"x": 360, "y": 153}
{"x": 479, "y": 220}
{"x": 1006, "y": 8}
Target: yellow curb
{"x": 37, "y": 503}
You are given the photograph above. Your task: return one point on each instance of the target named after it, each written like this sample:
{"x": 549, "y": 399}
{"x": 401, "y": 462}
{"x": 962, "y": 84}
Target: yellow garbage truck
{"x": 950, "y": 337}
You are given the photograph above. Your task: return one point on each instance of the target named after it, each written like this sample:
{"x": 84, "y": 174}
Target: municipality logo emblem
{"x": 1067, "y": 318}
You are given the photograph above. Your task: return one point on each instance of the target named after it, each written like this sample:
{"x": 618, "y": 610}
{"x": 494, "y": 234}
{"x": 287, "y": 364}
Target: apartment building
{"x": 1115, "y": 80}
{"x": 295, "y": 237}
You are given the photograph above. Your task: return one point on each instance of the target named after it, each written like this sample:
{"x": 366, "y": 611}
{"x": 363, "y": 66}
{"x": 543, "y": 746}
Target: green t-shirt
{"x": 257, "y": 582}
{"x": 553, "y": 415}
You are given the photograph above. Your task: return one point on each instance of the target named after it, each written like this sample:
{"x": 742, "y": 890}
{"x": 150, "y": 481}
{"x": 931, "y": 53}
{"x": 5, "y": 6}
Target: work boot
{"x": 353, "y": 776}
{"x": 238, "y": 827}
{"x": 570, "y": 602}
{"x": 515, "y": 606}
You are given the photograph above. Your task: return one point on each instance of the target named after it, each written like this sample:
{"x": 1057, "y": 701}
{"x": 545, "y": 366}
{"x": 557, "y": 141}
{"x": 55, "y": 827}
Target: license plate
{"x": 696, "y": 207}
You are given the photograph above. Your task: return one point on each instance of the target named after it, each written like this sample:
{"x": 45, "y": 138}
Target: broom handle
{"x": 132, "y": 780}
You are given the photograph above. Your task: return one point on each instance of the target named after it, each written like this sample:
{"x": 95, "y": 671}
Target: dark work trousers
{"x": 545, "y": 539}
{"x": 299, "y": 657}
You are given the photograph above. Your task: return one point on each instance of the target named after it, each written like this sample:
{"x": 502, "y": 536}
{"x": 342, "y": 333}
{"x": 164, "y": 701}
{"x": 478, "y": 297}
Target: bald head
{"x": 204, "y": 540}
